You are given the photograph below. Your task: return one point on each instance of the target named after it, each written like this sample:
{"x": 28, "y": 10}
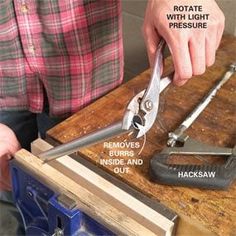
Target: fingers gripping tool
{"x": 138, "y": 118}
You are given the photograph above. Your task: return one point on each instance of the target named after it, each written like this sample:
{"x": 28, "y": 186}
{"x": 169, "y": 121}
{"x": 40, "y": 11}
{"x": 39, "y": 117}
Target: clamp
{"x": 181, "y": 144}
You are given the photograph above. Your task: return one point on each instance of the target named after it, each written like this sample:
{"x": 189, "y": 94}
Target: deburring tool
{"x": 181, "y": 144}
{"x": 138, "y": 118}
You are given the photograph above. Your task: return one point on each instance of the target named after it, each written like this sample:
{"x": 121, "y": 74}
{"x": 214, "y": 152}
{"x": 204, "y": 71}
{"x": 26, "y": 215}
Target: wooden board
{"x": 102, "y": 200}
{"x": 202, "y": 212}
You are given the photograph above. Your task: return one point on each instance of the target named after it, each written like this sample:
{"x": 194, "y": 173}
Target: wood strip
{"x": 119, "y": 211}
{"x": 87, "y": 202}
{"x": 212, "y": 211}
{"x": 107, "y": 191}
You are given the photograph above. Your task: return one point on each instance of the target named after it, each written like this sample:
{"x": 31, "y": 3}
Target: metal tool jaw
{"x": 142, "y": 110}
{"x": 138, "y": 118}
{"x": 131, "y": 117}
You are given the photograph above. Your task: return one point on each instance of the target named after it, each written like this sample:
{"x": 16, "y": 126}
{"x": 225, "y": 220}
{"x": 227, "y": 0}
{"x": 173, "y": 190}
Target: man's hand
{"x": 8, "y": 146}
{"x": 192, "y": 49}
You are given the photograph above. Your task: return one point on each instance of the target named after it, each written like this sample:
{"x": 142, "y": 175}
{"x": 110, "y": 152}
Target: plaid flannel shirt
{"x": 73, "y": 49}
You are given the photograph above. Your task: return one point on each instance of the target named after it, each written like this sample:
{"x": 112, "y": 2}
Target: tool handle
{"x": 153, "y": 90}
{"x": 174, "y": 136}
{"x": 207, "y": 98}
{"x": 200, "y": 176}
{"x": 165, "y": 82}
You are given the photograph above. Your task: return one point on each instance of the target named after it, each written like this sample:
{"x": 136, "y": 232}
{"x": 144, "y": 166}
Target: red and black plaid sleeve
{"x": 71, "y": 48}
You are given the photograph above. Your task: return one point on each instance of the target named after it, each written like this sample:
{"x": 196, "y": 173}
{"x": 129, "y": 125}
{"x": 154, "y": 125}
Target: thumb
{"x": 8, "y": 141}
{"x": 4, "y": 152}
{"x": 8, "y": 150}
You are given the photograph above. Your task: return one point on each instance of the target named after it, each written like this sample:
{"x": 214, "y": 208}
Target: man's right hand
{"x": 192, "y": 49}
{"x": 8, "y": 146}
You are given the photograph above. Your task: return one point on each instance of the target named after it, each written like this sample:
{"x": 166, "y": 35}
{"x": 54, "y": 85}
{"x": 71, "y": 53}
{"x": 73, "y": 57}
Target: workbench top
{"x": 208, "y": 211}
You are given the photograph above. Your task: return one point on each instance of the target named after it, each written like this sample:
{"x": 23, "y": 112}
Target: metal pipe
{"x": 174, "y": 136}
{"x": 93, "y": 137}
{"x": 89, "y": 139}
{"x": 208, "y": 98}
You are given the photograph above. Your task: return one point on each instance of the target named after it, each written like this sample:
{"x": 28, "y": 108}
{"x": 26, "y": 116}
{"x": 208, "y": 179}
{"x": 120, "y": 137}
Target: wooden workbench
{"x": 201, "y": 211}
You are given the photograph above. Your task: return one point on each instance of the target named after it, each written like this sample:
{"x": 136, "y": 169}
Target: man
{"x": 58, "y": 56}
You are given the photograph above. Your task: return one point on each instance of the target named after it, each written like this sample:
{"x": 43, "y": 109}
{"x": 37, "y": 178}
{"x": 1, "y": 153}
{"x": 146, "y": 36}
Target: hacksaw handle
{"x": 174, "y": 136}
{"x": 199, "y": 176}
{"x": 207, "y": 99}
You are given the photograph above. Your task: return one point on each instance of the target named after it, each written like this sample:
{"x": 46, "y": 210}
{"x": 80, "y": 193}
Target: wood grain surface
{"x": 208, "y": 211}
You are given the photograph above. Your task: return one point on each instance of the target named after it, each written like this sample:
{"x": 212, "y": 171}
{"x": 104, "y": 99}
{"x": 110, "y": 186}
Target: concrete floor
{"x": 8, "y": 223}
